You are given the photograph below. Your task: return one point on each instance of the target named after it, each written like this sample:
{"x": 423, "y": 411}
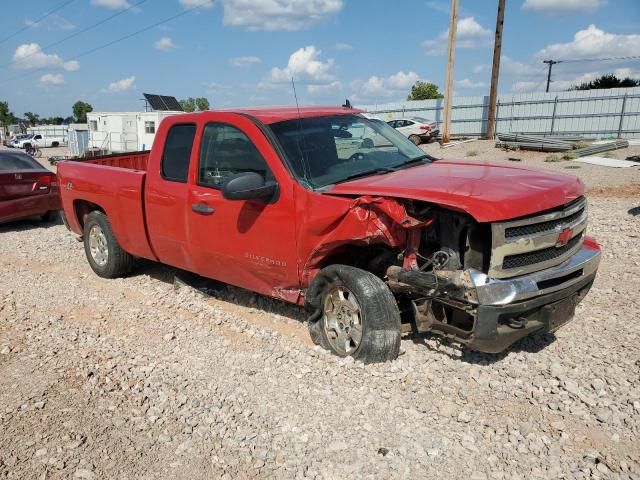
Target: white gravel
{"x": 132, "y": 378}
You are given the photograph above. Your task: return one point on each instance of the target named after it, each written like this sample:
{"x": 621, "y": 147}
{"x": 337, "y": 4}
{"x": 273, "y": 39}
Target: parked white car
{"x": 13, "y": 141}
{"x": 417, "y": 129}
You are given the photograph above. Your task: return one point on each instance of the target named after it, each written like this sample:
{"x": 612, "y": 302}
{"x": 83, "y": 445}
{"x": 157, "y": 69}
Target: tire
{"x": 51, "y": 216}
{"x": 377, "y": 322}
{"x": 108, "y": 259}
{"x": 55, "y": 144}
{"x": 415, "y": 139}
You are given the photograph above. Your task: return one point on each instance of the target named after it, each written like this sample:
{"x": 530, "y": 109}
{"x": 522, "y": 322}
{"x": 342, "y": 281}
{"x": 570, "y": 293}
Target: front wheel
{"x": 415, "y": 139}
{"x": 353, "y": 313}
{"x": 105, "y": 255}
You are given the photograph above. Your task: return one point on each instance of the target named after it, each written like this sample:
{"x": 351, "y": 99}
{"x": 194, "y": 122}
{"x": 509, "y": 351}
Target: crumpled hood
{"x": 488, "y": 192}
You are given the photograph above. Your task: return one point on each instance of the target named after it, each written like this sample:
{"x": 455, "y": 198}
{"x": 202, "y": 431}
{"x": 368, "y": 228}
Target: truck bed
{"x": 115, "y": 184}
{"x": 129, "y": 160}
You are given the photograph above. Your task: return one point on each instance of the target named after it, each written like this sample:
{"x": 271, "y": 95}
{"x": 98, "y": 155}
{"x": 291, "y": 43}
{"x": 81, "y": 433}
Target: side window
{"x": 225, "y": 151}
{"x": 149, "y": 127}
{"x": 38, "y": 137}
{"x": 177, "y": 151}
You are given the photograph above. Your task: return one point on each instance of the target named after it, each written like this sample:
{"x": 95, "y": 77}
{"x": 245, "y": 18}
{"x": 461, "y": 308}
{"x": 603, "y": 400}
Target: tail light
{"x": 425, "y": 127}
{"x": 45, "y": 183}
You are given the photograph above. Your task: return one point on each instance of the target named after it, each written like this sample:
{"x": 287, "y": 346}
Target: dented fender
{"x": 365, "y": 220}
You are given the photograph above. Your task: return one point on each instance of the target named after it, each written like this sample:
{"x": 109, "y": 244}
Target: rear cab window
{"x": 177, "y": 152}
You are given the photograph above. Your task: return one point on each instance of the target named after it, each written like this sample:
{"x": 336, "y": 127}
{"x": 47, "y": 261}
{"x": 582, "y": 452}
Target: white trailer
{"x": 124, "y": 131}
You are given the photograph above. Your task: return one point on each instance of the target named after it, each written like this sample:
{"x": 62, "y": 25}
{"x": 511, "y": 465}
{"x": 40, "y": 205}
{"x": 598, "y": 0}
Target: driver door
{"x": 247, "y": 243}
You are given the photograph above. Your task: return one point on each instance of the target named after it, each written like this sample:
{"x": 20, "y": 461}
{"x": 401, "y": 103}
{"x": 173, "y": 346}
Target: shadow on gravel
{"x": 456, "y": 351}
{"x": 209, "y": 288}
{"x": 31, "y": 223}
{"x": 635, "y": 211}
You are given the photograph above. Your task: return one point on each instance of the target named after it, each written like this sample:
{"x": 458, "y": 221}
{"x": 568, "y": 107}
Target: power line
{"x": 112, "y": 42}
{"x": 628, "y": 57}
{"x": 86, "y": 29}
{"x": 32, "y": 24}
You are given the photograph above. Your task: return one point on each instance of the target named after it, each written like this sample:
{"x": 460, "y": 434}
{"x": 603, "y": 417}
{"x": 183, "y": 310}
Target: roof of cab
{"x": 269, "y": 115}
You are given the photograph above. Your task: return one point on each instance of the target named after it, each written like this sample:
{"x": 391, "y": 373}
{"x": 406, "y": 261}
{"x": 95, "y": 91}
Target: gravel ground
{"x": 140, "y": 378}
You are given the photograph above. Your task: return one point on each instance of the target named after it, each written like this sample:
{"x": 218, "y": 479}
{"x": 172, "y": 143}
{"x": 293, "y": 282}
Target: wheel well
{"x": 83, "y": 208}
{"x": 372, "y": 258}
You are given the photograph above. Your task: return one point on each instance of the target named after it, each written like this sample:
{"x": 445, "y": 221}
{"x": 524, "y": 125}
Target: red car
{"x": 27, "y": 189}
{"x": 323, "y": 207}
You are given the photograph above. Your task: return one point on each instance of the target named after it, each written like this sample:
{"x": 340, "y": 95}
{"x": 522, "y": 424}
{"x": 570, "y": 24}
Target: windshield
{"x": 327, "y": 150}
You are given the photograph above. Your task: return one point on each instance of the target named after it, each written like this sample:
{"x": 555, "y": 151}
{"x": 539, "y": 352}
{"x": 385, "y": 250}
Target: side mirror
{"x": 248, "y": 186}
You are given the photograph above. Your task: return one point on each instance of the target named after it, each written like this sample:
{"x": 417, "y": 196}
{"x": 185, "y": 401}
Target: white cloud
{"x": 469, "y": 34}
{"x": 480, "y": 68}
{"x": 375, "y": 86}
{"x": 592, "y": 42}
{"x": 278, "y": 14}
{"x": 508, "y": 66}
{"x": 197, "y": 3}
{"x": 401, "y": 80}
{"x": 52, "y": 22}
{"x": 244, "y": 61}
{"x": 304, "y": 66}
{"x": 122, "y": 85}
{"x": 29, "y": 56}
{"x": 344, "y": 46}
{"x": 164, "y": 44}
{"x": 52, "y": 79}
{"x": 566, "y": 5}
{"x": 113, "y": 4}
{"x": 324, "y": 89}
{"x": 526, "y": 86}
{"x": 467, "y": 83}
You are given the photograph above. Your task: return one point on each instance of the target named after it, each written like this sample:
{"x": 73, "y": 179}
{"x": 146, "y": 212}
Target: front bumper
{"x": 502, "y": 311}
{"x": 510, "y": 309}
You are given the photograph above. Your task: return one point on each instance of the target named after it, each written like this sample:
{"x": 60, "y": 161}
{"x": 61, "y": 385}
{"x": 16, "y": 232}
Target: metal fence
{"x": 590, "y": 113}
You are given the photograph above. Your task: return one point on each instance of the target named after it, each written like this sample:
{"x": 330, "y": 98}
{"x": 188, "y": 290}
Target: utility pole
{"x": 551, "y": 64}
{"x": 451, "y": 52}
{"x": 495, "y": 72}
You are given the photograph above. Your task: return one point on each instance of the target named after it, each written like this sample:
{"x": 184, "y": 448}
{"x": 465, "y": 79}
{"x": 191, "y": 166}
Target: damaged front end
{"x": 485, "y": 285}
{"x": 451, "y": 283}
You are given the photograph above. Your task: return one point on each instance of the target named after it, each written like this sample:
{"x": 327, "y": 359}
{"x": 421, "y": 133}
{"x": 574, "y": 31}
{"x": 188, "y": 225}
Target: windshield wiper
{"x": 413, "y": 161}
{"x": 376, "y": 171}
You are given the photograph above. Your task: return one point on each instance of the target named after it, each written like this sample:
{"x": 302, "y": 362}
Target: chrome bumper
{"x": 492, "y": 291}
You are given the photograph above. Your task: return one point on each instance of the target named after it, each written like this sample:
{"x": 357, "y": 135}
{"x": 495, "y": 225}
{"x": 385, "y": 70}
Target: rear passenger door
{"x": 166, "y": 196}
{"x": 247, "y": 243}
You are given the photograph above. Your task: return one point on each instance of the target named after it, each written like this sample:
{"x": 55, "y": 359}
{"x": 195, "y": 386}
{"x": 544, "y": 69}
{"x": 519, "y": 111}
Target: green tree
{"x": 424, "y": 91}
{"x": 6, "y": 116}
{"x": 80, "y": 110}
{"x": 607, "y": 81}
{"x": 188, "y": 104}
{"x": 33, "y": 118}
{"x": 202, "y": 103}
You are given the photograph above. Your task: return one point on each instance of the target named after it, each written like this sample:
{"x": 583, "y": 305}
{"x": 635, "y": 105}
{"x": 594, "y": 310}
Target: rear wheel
{"x": 105, "y": 255}
{"x": 415, "y": 139}
{"x": 353, "y": 313}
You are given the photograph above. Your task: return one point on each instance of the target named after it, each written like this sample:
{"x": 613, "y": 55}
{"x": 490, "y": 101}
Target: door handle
{"x": 202, "y": 208}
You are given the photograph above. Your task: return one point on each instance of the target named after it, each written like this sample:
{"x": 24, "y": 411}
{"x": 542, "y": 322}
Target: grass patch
{"x": 579, "y": 145}
{"x": 552, "y": 158}
{"x": 471, "y": 153}
{"x": 569, "y": 156}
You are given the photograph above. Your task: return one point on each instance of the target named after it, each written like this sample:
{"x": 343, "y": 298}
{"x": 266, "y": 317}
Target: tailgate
{"x": 17, "y": 184}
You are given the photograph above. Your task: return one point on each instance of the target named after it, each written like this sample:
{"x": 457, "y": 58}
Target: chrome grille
{"x": 533, "y": 243}
{"x": 539, "y": 256}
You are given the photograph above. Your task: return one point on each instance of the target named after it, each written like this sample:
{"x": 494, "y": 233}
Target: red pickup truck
{"x": 326, "y": 208}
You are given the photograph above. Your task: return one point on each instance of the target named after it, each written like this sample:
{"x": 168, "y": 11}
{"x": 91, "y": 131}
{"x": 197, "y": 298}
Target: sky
{"x": 245, "y": 52}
